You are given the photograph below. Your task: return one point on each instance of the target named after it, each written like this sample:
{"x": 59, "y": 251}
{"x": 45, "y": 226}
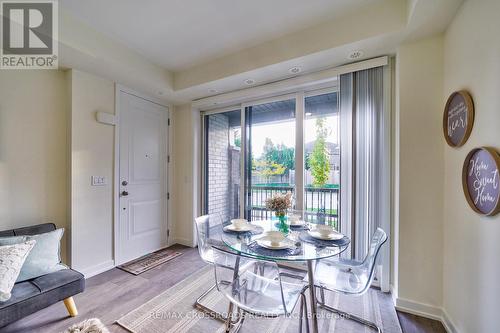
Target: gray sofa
{"x": 33, "y": 295}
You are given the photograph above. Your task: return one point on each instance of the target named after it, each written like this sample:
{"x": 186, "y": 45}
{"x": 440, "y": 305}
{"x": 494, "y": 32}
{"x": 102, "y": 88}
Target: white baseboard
{"x": 427, "y": 311}
{"x": 97, "y": 269}
{"x": 182, "y": 241}
{"x": 448, "y": 324}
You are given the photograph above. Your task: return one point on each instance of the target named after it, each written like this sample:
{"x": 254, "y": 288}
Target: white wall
{"x": 472, "y": 242}
{"x": 186, "y": 149}
{"x": 92, "y": 154}
{"x": 82, "y": 47}
{"x": 50, "y": 146}
{"x": 33, "y": 149}
{"x": 419, "y": 208}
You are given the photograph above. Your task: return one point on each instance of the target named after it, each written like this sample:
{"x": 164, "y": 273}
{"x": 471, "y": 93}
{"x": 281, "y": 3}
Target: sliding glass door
{"x": 322, "y": 159}
{"x": 285, "y": 144}
{"x": 270, "y": 154}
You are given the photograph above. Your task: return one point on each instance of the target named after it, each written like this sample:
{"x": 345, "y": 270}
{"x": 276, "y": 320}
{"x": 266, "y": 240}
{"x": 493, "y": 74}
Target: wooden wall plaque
{"x": 480, "y": 180}
{"x": 458, "y": 118}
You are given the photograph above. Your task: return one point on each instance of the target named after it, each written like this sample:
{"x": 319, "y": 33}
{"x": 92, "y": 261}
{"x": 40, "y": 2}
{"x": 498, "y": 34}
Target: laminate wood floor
{"x": 112, "y": 294}
{"x": 415, "y": 324}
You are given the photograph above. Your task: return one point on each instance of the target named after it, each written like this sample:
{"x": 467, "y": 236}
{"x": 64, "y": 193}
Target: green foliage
{"x": 279, "y": 154}
{"x": 276, "y": 160}
{"x": 307, "y": 161}
{"x": 268, "y": 168}
{"x": 237, "y": 138}
{"x": 319, "y": 160}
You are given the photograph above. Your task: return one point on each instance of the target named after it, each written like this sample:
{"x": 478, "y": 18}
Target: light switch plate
{"x": 98, "y": 180}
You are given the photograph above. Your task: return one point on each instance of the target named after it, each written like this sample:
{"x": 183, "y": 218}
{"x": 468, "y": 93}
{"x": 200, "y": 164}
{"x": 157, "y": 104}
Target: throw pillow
{"x": 12, "y": 258}
{"x": 45, "y": 256}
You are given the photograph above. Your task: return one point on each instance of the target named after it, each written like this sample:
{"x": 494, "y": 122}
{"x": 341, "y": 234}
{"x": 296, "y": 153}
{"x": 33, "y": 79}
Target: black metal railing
{"x": 321, "y": 204}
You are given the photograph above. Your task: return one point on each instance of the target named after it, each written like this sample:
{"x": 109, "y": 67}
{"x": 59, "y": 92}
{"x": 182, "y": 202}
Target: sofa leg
{"x": 70, "y": 306}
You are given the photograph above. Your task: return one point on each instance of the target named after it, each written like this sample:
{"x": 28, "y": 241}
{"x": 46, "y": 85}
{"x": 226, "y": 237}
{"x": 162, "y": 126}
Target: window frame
{"x": 299, "y": 96}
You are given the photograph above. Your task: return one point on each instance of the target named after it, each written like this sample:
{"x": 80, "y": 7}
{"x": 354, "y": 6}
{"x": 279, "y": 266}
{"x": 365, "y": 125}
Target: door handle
{"x": 124, "y": 193}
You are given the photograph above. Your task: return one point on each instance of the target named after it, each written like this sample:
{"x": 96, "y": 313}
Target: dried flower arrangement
{"x": 279, "y": 203}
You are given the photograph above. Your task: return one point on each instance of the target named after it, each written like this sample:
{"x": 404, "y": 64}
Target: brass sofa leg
{"x": 70, "y": 306}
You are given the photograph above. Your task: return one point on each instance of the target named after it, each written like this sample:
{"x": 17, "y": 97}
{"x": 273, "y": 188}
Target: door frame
{"x": 116, "y": 172}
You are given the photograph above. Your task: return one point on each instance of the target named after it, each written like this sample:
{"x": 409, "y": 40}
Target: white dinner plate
{"x": 298, "y": 223}
{"x": 265, "y": 242}
{"x": 331, "y": 236}
{"x": 245, "y": 228}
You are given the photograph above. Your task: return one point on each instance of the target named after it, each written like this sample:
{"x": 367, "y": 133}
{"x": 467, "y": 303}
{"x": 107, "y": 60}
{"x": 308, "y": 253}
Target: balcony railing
{"x": 321, "y": 204}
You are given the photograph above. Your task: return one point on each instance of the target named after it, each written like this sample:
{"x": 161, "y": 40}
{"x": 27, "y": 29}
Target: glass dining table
{"x": 303, "y": 248}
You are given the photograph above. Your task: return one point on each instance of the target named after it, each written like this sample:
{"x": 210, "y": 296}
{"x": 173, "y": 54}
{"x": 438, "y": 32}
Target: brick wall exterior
{"x": 218, "y": 165}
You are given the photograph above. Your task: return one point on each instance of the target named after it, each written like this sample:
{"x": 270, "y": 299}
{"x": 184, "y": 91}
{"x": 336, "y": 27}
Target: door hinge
{"x": 168, "y": 196}
{"x": 168, "y": 121}
{"x": 168, "y": 232}
{"x": 168, "y": 159}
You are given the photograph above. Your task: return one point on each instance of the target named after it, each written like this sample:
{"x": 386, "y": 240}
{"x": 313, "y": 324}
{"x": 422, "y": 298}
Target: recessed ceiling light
{"x": 308, "y": 114}
{"x": 249, "y": 82}
{"x": 355, "y": 55}
{"x": 295, "y": 70}
{"x": 212, "y": 90}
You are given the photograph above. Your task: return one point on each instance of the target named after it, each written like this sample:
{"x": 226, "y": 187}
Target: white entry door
{"x": 143, "y": 170}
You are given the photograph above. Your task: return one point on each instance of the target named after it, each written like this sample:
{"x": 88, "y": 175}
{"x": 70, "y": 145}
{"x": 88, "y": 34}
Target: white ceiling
{"x": 178, "y": 34}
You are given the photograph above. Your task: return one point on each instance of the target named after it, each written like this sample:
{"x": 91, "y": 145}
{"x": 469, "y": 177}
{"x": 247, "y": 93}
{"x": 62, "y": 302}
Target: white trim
{"x": 243, "y": 136}
{"x": 419, "y": 309}
{"x": 97, "y": 269}
{"x": 116, "y": 177}
{"x": 303, "y": 82}
{"x": 168, "y": 175}
{"x": 235, "y": 107}
{"x": 385, "y": 212}
{"x": 426, "y": 311}
{"x": 204, "y": 188}
{"x": 299, "y": 150}
{"x": 196, "y": 172}
{"x": 271, "y": 99}
{"x": 143, "y": 96}
{"x": 322, "y": 91}
{"x": 449, "y": 326}
{"x": 184, "y": 241}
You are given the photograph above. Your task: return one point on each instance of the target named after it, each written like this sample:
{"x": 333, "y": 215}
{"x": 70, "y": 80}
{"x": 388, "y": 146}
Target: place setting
{"x": 242, "y": 226}
{"x": 295, "y": 222}
{"x": 275, "y": 243}
{"x": 323, "y": 235}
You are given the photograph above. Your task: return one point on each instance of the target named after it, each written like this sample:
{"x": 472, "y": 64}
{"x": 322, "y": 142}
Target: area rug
{"x": 173, "y": 311}
{"x": 149, "y": 261}
{"x": 92, "y": 325}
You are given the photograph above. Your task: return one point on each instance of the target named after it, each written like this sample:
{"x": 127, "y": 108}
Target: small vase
{"x": 282, "y": 226}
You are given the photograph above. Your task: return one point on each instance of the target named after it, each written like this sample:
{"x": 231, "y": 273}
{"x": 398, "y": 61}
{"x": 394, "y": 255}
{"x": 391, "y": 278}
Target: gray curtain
{"x": 362, "y": 99}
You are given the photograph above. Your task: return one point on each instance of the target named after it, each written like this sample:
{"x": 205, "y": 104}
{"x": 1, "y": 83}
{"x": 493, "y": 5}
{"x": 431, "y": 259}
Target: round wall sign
{"x": 458, "y": 118}
{"x": 480, "y": 181}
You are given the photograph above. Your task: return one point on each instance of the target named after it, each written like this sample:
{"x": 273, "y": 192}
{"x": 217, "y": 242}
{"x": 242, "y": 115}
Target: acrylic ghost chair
{"x": 208, "y": 228}
{"x": 271, "y": 295}
{"x": 349, "y": 277}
